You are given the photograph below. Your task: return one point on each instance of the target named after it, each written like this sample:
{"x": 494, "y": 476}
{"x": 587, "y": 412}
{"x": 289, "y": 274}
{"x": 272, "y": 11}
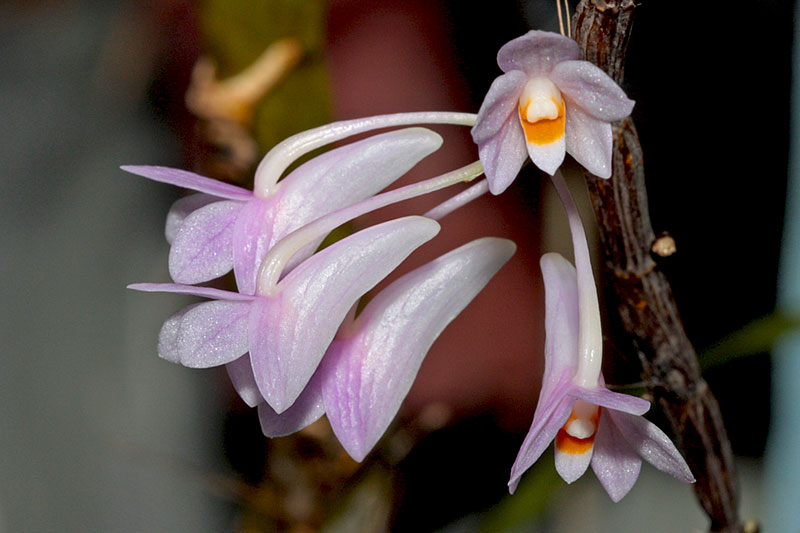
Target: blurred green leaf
{"x": 754, "y": 338}
{"x": 535, "y": 492}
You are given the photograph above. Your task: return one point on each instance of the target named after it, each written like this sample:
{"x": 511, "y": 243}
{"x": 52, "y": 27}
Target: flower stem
{"x": 459, "y": 200}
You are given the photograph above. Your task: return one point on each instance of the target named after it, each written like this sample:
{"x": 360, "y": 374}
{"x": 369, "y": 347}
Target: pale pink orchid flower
{"x": 589, "y": 423}
{"x": 290, "y": 321}
{"x": 547, "y": 103}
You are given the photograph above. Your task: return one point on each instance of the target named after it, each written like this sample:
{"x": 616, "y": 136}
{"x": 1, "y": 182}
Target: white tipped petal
{"x": 548, "y": 157}
{"x": 571, "y": 463}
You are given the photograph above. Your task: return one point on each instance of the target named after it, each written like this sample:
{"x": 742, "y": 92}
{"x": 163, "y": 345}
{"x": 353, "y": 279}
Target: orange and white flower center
{"x": 583, "y": 422}
{"x": 541, "y": 111}
{"x": 577, "y": 435}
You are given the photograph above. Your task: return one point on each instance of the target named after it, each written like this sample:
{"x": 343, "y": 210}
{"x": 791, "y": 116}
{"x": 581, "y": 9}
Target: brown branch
{"x": 644, "y": 299}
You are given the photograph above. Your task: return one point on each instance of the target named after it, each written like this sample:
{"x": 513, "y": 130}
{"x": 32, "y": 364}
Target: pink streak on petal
{"x": 307, "y": 409}
{"x": 252, "y": 239}
{"x": 189, "y": 180}
{"x": 592, "y": 89}
{"x": 203, "y": 248}
{"x": 333, "y": 180}
{"x": 503, "y": 155}
{"x": 615, "y": 463}
{"x": 213, "y": 333}
{"x": 537, "y": 52}
{"x": 183, "y": 208}
{"x": 501, "y": 144}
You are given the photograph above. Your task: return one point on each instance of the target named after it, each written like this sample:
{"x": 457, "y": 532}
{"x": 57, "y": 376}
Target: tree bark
{"x": 645, "y": 304}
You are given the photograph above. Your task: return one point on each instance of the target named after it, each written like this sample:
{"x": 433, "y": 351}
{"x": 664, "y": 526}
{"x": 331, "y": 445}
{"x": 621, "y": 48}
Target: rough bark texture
{"x": 647, "y": 309}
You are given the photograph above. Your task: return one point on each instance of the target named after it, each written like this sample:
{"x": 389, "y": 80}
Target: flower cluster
{"x": 547, "y": 103}
{"x": 289, "y": 337}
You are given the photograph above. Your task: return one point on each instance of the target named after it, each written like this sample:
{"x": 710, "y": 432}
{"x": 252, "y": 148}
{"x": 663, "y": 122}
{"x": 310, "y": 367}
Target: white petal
{"x": 592, "y": 89}
{"x": 548, "y": 157}
{"x": 561, "y": 320}
{"x": 537, "y": 52}
{"x": 615, "y": 463}
{"x": 589, "y": 141}
{"x": 652, "y": 445}
{"x": 572, "y": 465}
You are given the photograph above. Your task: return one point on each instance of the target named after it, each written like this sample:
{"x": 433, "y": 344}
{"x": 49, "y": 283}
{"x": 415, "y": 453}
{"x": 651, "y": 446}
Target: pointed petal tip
{"x": 513, "y": 483}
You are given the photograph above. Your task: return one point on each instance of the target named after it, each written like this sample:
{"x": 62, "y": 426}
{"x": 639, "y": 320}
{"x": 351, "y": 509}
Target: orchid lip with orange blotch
{"x": 545, "y": 130}
{"x": 568, "y": 439}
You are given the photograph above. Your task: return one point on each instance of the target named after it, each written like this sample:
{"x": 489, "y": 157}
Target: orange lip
{"x": 543, "y": 131}
{"x": 566, "y": 443}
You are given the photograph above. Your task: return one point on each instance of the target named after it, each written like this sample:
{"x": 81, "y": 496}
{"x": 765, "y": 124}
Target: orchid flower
{"x": 228, "y": 227}
{"x": 290, "y": 321}
{"x": 371, "y": 364}
{"x": 547, "y": 103}
{"x": 287, "y": 330}
{"x": 589, "y": 423}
